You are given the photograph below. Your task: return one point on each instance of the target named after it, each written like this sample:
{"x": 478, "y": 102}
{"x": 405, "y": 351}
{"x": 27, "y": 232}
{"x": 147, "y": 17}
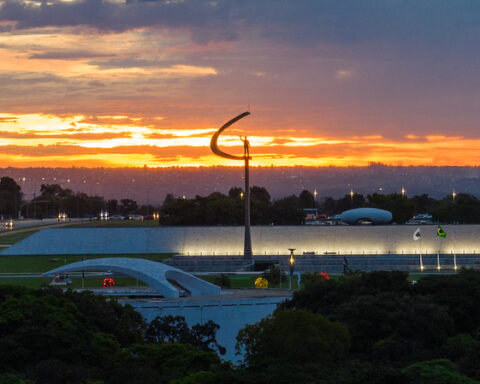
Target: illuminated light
{"x": 261, "y": 283}
{"x": 403, "y": 191}
{"x": 454, "y": 195}
{"x": 108, "y": 282}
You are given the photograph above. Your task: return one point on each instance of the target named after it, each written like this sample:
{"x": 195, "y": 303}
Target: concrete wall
{"x": 232, "y": 315}
{"x": 265, "y": 240}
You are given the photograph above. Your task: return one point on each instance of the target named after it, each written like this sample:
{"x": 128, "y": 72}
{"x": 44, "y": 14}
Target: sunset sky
{"x": 329, "y": 82}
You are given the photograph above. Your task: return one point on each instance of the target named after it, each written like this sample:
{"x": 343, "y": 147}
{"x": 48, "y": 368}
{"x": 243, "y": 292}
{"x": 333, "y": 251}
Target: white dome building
{"x": 372, "y": 215}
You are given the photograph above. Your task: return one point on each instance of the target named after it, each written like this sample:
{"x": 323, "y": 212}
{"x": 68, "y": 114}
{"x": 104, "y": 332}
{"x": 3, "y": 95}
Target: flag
{"x": 440, "y": 232}
{"x": 417, "y": 234}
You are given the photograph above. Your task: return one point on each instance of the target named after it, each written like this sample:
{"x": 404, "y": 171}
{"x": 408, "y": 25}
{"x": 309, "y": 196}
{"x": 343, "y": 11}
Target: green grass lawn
{"x": 89, "y": 282}
{"x": 43, "y": 263}
{"x": 249, "y": 282}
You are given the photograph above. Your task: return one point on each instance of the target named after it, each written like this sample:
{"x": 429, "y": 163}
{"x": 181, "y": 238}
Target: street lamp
{"x": 241, "y": 195}
{"x": 403, "y": 191}
{"x": 453, "y": 195}
{"x": 292, "y": 265}
{"x": 315, "y": 194}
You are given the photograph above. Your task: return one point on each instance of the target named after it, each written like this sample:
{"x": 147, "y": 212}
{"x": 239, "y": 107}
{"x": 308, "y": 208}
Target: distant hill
{"x": 152, "y": 184}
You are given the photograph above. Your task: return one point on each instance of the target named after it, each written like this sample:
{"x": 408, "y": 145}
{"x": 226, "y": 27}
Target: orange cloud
{"x": 33, "y": 140}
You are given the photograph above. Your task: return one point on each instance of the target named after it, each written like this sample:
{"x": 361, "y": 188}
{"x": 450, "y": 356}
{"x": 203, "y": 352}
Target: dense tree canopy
{"x": 10, "y": 197}
{"x": 365, "y": 328}
{"x": 47, "y": 336}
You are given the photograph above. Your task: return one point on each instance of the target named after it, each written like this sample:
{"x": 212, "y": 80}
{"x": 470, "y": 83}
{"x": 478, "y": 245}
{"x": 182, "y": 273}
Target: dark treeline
{"x": 363, "y": 328}
{"x": 54, "y": 199}
{"x": 220, "y": 209}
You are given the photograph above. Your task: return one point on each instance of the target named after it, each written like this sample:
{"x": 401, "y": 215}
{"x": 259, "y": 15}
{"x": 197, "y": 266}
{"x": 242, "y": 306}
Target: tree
{"x": 260, "y": 194}
{"x": 127, "y": 206}
{"x": 423, "y": 203}
{"x": 294, "y": 338}
{"x": 401, "y": 207}
{"x": 287, "y": 211}
{"x": 349, "y": 202}
{"x": 10, "y": 197}
{"x": 274, "y": 274}
{"x": 174, "y": 329}
{"x": 328, "y": 206}
{"x": 49, "y": 336}
{"x": 112, "y": 206}
{"x": 440, "y": 371}
{"x": 306, "y": 199}
{"x": 235, "y": 192}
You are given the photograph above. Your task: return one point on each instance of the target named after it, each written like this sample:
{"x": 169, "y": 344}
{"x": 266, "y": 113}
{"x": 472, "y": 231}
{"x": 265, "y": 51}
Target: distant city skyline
{"x": 151, "y": 185}
{"x": 106, "y": 83}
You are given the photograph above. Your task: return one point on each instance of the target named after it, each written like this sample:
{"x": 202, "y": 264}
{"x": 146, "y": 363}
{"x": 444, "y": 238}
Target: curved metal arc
{"x": 213, "y": 141}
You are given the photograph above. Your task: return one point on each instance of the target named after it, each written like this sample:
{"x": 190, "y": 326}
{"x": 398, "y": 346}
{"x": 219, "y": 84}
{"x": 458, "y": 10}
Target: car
{"x": 116, "y": 217}
{"x": 135, "y": 217}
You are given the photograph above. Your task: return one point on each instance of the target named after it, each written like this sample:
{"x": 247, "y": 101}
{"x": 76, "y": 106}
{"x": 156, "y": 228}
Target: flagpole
{"x": 454, "y": 254}
{"x": 439, "y": 246}
{"x": 420, "y": 251}
{"x": 417, "y": 235}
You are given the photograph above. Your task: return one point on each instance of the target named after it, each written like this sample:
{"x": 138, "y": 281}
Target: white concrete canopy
{"x": 153, "y": 273}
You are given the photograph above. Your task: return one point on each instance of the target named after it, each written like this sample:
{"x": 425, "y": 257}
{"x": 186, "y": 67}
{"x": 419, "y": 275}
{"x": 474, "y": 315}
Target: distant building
{"x": 420, "y": 219}
{"x": 366, "y": 216}
{"x": 310, "y": 213}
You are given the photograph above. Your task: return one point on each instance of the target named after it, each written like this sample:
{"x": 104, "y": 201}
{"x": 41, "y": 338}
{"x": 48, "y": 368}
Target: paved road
{"x": 20, "y": 226}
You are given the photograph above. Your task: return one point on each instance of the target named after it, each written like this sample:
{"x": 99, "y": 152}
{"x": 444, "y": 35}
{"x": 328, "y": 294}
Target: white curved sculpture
{"x": 375, "y": 215}
{"x": 153, "y": 273}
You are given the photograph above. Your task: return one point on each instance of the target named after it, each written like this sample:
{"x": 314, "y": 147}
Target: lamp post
{"x": 292, "y": 265}
{"x": 403, "y": 191}
{"x": 454, "y": 210}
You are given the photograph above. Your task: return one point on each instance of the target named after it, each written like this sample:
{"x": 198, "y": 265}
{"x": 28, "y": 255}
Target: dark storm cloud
{"x": 126, "y": 63}
{"x": 300, "y": 22}
{"x": 67, "y": 55}
{"x": 30, "y": 78}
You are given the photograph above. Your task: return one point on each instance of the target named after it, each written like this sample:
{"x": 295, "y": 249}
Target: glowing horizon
{"x": 120, "y": 141}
